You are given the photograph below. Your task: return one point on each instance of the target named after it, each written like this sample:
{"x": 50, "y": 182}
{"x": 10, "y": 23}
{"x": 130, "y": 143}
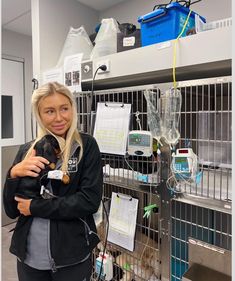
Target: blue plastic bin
{"x": 165, "y": 24}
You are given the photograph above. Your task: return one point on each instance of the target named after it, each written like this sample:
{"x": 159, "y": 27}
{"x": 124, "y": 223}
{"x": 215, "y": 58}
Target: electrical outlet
{"x": 103, "y": 62}
{"x": 86, "y": 70}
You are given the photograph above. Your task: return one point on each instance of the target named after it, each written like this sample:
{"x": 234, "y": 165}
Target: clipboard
{"x": 122, "y": 220}
{"x": 112, "y": 127}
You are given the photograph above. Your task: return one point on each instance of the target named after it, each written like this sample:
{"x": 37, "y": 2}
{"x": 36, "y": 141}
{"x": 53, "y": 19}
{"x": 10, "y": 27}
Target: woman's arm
{"x": 10, "y": 187}
{"x": 20, "y": 168}
{"x": 84, "y": 202}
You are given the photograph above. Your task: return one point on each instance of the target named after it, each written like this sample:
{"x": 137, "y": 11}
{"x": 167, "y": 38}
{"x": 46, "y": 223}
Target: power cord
{"x": 35, "y": 86}
{"x": 103, "y": 67}
{"x": 105, "y": 241}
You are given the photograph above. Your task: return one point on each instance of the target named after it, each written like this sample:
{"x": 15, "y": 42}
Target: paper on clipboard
{"x": 122, "y": 220}
{"x": 112, "y": 127}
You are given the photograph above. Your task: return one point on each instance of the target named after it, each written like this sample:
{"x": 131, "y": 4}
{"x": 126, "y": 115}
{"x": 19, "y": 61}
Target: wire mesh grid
{"x": 129, "y": 175}
{"x": 213, "y": 24}
{"x": 128, "y": 169}
{"x": 210, "y": 226}
{"x": 205, "y": 124}
{"x": 144, "y": 261}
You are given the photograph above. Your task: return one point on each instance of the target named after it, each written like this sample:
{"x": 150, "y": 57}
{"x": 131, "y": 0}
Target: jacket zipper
{"x": 87, "y": 228}
{"x": 53, "y": 265}
{"x": 52, "y": 261}
{"x": 61, "y": 266}
{"x": 88, "y": 231}
{"x": 86, "y": 234}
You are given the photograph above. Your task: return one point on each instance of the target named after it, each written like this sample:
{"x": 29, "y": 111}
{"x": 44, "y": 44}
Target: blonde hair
{"x": 72, "y": 134}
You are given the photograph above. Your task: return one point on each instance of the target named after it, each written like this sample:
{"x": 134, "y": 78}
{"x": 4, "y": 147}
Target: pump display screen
{"x": 181, "y": 164}
{"x": 183, "y": 151}
{"x": 180, "y": 160}
{"x": 139, "y": 140}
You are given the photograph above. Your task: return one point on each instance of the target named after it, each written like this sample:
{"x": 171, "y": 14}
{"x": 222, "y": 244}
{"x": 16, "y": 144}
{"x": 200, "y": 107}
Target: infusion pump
{"x": 184, "y": 163}
{"x": 140, "y": 143}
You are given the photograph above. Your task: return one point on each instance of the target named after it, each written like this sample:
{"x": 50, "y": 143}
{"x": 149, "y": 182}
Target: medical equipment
{"x": 140, "y": 143}
{"x": 104, "y": 266}
{"x": 153, "y": 113}
{"x": 171, "y": 109}
{"x": 184, "y": 164}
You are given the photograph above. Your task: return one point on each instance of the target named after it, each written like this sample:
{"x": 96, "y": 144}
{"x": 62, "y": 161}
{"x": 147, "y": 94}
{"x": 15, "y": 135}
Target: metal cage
{"x": 204, "y": 211}
{"x": 119, "y": 172}
{"x": 188, "y": 220}
{"x": 206, "y": 122}
{"x": 201, "y": 211}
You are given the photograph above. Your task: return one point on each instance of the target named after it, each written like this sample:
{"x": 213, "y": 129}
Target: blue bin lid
{"x": 162, "y": 11}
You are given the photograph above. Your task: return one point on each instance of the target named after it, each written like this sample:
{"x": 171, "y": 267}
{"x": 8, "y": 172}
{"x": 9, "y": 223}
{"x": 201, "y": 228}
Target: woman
{"x": 54, "y": 237}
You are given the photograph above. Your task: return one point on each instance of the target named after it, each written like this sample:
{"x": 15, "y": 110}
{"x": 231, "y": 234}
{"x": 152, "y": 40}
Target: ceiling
{"x": 16, "y": 14}
{"x": 100, "y": 5}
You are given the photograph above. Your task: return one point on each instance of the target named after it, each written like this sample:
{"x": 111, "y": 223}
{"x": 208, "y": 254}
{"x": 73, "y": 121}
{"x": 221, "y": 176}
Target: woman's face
{"x": 56, "y": 113}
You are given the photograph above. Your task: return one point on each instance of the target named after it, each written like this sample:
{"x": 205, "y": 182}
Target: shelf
{"x": 203, "y": 55}
{"x": 130, "y": 183}
{"x": 200, "y": 272}
{"x": 204, "y": 202}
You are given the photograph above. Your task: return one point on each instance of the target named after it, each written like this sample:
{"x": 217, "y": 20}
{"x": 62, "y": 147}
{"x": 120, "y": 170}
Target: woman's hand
{"x": 23, "y": 205}
{"x": 31, "y": 166}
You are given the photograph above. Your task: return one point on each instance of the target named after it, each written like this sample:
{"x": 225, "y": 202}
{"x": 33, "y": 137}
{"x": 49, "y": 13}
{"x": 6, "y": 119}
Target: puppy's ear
{"x": 65, "y": 179}
{"x": 52, "y": 166}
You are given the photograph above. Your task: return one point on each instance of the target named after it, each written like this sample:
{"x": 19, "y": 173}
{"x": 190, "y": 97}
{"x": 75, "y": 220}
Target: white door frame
{"x": 19, "y": 123}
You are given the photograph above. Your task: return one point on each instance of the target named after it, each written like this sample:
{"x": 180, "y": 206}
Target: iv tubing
{"x": 175, "y": 45}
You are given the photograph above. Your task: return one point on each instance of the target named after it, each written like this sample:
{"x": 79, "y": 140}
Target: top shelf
{"x": 203, "y": 55}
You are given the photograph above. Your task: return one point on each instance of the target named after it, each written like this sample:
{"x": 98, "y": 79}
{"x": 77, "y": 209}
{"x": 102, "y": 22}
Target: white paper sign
{"x": 72, "y": 72}
{"x": 53, "y": 75}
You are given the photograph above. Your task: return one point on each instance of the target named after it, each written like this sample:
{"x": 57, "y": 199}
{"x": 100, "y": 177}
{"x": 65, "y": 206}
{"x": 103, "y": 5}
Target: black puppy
{"x": 47, "y": 147}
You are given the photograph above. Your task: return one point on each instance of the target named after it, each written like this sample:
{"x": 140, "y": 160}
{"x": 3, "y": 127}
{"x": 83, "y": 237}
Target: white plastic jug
{"x": 106, "y": 39}
{"x": 77, "y": 41}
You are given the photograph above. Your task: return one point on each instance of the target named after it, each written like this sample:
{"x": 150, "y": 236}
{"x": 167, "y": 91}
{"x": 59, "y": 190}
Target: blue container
{"x": 166, "y": 24}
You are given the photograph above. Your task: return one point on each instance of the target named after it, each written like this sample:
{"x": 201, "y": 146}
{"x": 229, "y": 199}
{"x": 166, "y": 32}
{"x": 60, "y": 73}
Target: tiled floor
{"x": 8, "y": 260}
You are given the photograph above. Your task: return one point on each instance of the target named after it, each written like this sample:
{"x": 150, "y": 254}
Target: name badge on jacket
{"x": 72, "y": 165}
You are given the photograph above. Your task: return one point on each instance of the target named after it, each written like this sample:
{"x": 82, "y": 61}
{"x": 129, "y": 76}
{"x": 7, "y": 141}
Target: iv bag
{"x": 77, "y": 41}
{"x": 153, "y": 113}
{"x": 106, "y": 39}
{"x": 171, "y": 108}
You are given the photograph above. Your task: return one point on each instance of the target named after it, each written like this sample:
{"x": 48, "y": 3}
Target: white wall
{"x": 51, "y": 22}
{"x": 0, "y": 125}
{"x": 130, "y": 11}
{"x": 18, "y": 45}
